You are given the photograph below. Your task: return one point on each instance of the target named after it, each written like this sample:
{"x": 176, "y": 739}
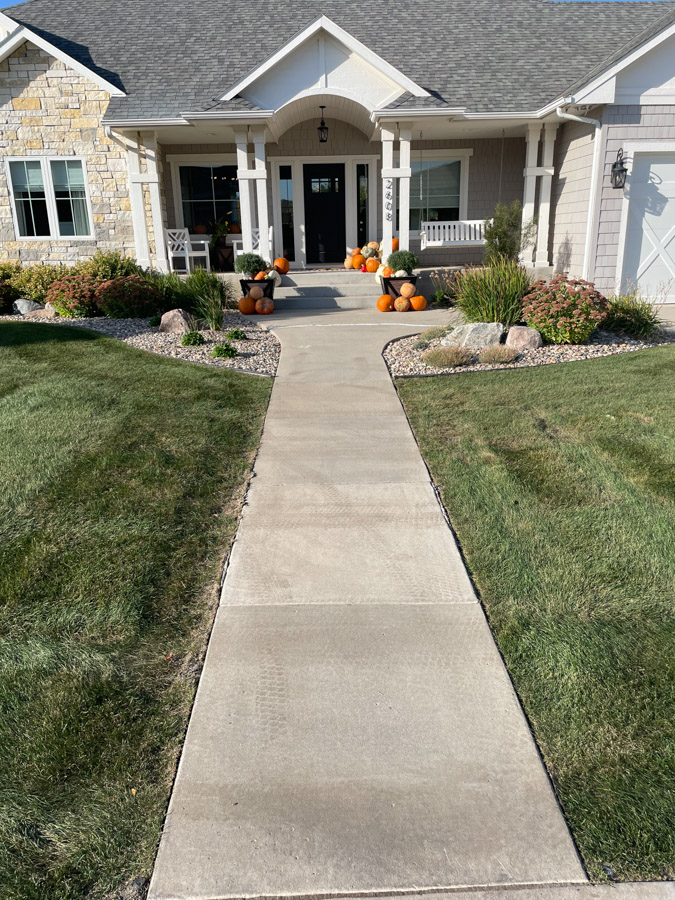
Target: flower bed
{"x": 404, "y": 356}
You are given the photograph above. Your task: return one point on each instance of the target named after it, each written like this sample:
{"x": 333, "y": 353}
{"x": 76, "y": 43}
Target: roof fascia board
{"x": 624, "y": 63}
{"x": 23, "y": 34}
{"x": 327, "y": 25}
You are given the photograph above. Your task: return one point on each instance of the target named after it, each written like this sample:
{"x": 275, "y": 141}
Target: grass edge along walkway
{"x": 123, "y": 475}
{"x": 560, "y": 484}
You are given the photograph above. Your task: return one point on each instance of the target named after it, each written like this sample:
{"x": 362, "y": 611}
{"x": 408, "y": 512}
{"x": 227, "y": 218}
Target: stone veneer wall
{"x": 49, "y": 110}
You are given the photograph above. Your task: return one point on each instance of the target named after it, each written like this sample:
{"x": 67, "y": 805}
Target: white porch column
{"x": 261, "y": 191}
{"x": 387, "y": 192}
{"x": 544, "y": 219}
{"x": 150, "y": 144}
{"x": 531, "y": 172}
{"x": 405, "y": 135}
{"x": 243, "y": 175}
{"x": 141, "y": 245}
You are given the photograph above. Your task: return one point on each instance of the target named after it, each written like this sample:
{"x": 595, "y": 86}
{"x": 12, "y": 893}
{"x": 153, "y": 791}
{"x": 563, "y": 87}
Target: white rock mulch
{"x": 404, "y": 359}
{"x": 259, "y": 354}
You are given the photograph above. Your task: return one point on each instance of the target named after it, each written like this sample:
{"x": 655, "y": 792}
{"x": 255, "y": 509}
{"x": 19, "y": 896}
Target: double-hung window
{"x": 49, "y": 197}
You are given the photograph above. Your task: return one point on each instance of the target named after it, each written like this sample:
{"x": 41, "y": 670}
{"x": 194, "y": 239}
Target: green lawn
{"x": 560, "y": 484}
{"x": 121, "y": 479}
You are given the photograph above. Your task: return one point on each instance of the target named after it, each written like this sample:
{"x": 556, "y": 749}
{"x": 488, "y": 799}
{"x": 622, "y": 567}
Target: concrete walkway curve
{"x": 355, "y": 731}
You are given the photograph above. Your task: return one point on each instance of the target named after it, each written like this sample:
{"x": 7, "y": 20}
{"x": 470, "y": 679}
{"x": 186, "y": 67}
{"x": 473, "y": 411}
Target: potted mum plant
{"x": 254, "y": 271}
{"x": 402, "y": 263}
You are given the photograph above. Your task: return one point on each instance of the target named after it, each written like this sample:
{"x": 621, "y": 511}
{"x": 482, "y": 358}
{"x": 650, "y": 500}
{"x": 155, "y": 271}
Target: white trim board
{"x": 21, "y": 34}
{"x": 630, "y": 149}
{"x": 323, "y": 23}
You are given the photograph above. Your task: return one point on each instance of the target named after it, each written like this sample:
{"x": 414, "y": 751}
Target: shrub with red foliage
{"x": 73, "y": 295}
{"x": 127, "y": 297}
{"x": 564, "y": 311}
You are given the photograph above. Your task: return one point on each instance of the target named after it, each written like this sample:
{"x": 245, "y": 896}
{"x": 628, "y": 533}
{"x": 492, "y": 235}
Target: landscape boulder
{"x": 42, "y": 314}
{"x": 474, "y": 336}
{"x": 520, "y": 338}
{"x": 23, "y": 307}
{"x": 177, "y": 321}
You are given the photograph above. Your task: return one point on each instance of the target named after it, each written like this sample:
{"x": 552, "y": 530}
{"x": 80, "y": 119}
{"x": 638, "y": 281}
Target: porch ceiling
{"x": 309, "y": 108}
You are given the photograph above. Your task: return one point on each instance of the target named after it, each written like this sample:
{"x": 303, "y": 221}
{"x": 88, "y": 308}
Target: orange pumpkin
{"x": 256, "y": 292}
{"x": 407, "y": 290}
{"x": 261, "y": 276}
{"x": 355, "y": 251}
{"x": 247, "y": 306}
{"x": 401, "y": 304}
{"x": 385, "y": 303}
{"x": 358, "y": 261}
{"x": 372, "y": 264}
{"x": 418, "y": 303}
{"x": 264, "y": 306}
{"x": 394, "y": 244}
{"x": 282, "y": 265}
{"x": 387, "y": 272}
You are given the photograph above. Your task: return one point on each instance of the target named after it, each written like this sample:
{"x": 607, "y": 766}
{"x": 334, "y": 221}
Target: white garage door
{"x": 649, "y": 254}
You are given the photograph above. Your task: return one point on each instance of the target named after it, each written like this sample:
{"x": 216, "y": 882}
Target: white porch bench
{"x": 466, "y": 233}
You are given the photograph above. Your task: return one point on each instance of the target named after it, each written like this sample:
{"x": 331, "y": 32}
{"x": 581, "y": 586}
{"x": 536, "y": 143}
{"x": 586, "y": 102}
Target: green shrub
{"x": 73, "y": 296}
{"x": 506, "y": 234}
{"x": 403, "y": 259}
{"x": 211, "y": 297}
{"x": 420, "y": 345}
{"x": 447, "y": 357}
{"x": 236, "y": 335}
{"x": 497, "y": 353}
{"x": 107, "y": 265}
{"x": 9, "y": 270}
{"x": 127, "y": 297}
{"x": 224, "y": 351}
{"x": 631, "y": 314}
{"x": 174, "y": 293}
{"x": 155, "y": 321}
{"x": 250, "y": 264}
{"x": 566, "y": 310}
{"x": 192, "y": 339}
{"x": 493, "y": 293}
{"x": 8, "y": 291}
{"x": 33, "y": 282}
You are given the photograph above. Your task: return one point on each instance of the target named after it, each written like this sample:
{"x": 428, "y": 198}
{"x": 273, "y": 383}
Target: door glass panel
{"x": 362, "y": 204}
{"x": 287, "y": 231}
{"x": 29, "y": 198}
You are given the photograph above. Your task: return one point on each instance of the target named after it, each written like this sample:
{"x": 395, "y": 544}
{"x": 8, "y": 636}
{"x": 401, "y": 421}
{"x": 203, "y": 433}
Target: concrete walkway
{"x": 355, "y": 731}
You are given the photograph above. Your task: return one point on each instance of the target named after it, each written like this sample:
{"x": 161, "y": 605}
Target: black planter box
{"x": 392, "y": 286}
{"x": 267, "y": 286}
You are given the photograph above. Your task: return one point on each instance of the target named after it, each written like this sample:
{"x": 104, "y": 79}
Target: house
{"x": 122, "y": 118}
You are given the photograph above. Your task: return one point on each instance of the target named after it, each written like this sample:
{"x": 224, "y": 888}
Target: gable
{"x": 651, "y": 79}
{"x": 324, "y": 59}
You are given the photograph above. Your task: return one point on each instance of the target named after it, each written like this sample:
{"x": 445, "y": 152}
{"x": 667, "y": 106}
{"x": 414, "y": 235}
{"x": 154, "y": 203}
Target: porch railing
{"x": 466, "y": 233}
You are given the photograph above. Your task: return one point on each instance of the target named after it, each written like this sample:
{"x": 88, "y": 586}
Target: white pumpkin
{"x": 274, "y": 276}
{"x": 401, "y": 274}
{"x": 379, "y": 272}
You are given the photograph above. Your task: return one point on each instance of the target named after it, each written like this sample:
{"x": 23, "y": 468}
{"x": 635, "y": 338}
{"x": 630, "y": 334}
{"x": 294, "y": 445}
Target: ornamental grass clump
{"x": 447, "y": 357}
{"x": 497, "y": 354}
{"x": 127, "y": 297}
{"x": 493, "y": 293}
{"x": 565, "y": 310}
{"x": 211, "y": 297}
{"x": 73, "y": 296}
{"x": 631, "y": 314}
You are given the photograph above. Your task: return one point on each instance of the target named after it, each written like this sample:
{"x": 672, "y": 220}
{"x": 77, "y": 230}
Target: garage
{"x": 649, "y": 250}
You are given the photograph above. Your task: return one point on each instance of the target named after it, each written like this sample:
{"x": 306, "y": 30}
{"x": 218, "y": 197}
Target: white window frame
{"x": 52, "y": 215}
{"x": 194, "y": 159}
{"x": 461, "y": 156}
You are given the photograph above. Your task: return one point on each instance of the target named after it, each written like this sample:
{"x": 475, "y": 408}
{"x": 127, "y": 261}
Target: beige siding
{"x": 571, "y": 198}
{"x": 624, "y": 124}
{"x": 49, "y": 110}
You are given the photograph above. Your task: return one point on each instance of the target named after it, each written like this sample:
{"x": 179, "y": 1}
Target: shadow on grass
{"x": 16, "y": 334}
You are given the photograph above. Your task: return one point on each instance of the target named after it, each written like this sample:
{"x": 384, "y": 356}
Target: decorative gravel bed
{"x": 258, "y": 354}
{"x": 403, "y": 359}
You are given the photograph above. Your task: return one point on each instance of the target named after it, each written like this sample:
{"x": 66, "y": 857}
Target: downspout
{"x": 595, "y": 177}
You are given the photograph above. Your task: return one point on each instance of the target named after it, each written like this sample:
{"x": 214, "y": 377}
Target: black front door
{"x": 325, "y": 212}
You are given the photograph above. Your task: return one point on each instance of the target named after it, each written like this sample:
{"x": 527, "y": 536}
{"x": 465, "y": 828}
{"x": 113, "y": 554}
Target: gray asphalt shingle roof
{"x": 486, "y": 55}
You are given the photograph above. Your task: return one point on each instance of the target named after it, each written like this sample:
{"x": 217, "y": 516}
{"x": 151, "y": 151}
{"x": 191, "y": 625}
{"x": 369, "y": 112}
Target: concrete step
{"x": 328, "y": 290}
{"x": 312, "y": 278}
{"x": 325, "y": 302}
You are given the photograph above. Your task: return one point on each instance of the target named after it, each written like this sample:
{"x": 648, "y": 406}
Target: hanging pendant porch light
{"x": 323, "y": 128}
{"x": 619, "y": 171}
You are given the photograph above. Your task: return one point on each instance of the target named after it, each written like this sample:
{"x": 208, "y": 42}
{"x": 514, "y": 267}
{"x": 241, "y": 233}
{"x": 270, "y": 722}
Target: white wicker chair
{"x": 180, "y": 245}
